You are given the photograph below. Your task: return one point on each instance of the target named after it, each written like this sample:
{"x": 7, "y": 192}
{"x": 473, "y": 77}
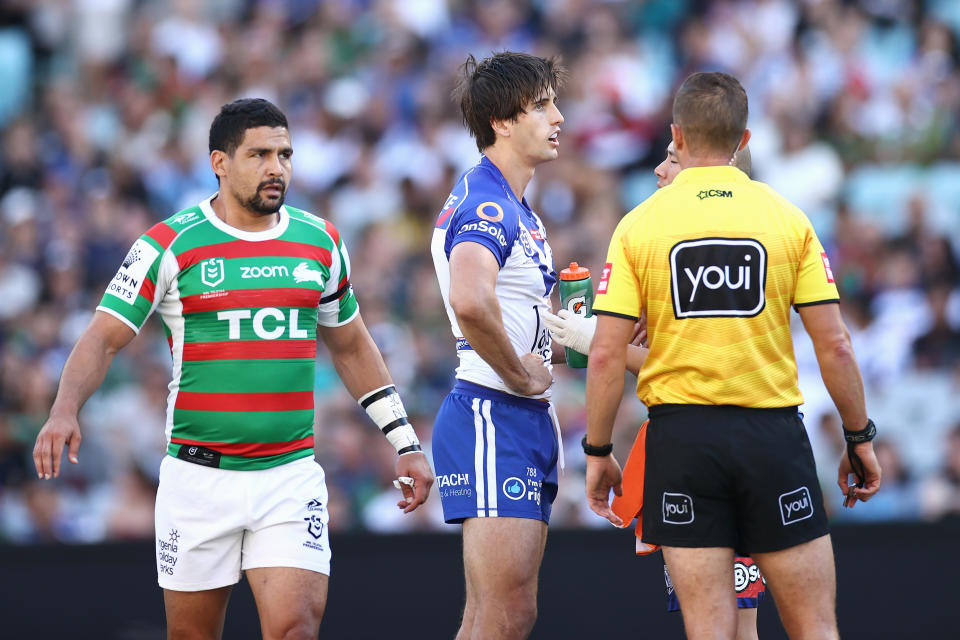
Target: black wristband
{"x": 591, "y": 450}
{"x": 866, "y": 434}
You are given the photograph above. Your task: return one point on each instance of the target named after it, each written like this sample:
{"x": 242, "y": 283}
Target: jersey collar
{"x": 253, "y": 236}
{"x": 488, "y": 164}
{"x": 718, "y": 173}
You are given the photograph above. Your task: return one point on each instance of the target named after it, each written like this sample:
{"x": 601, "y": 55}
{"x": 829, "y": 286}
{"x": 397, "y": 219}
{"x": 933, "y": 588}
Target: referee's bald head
{"x": 711, "y": 109}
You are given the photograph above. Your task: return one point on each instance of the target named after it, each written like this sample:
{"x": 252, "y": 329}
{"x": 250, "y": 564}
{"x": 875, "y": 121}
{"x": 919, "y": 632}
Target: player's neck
{"x": 239, "y": 217}
{"x": 713, "y": 160}
{"x": 517, "y": 172}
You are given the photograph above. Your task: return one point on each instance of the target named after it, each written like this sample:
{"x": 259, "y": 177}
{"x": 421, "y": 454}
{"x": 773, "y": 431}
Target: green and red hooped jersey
{"x": 240, "y": 310}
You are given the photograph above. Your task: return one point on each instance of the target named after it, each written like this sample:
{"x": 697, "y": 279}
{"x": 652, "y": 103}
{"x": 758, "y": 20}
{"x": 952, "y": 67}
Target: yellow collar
{"x": 721, "y": 173}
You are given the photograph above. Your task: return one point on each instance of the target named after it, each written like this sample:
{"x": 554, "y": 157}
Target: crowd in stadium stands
{"x": 104, "y": 117}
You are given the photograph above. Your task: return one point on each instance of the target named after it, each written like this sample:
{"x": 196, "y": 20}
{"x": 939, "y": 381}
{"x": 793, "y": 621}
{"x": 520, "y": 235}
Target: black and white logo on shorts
{"x": 795, "y": 506}
{"x": 677, "y": 508}
{"x": 315, "y": 526}
{"x": 718, "y": 277}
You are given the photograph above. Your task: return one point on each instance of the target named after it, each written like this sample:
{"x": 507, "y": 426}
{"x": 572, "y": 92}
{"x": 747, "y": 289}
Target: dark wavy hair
{"x": 499, "y": 87}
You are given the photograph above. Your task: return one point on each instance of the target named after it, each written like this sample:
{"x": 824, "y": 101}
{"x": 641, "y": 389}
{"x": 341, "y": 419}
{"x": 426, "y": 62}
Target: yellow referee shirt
{"x": 716, "y": 260}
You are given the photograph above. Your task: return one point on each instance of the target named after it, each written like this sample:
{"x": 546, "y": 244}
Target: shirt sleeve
{"x": 815, "y": 282}
{"x": 484, "y": 222}
{"x": 618, "y": 292}
{"x": 338, "y": 304}
{"x": 133, "y": 293}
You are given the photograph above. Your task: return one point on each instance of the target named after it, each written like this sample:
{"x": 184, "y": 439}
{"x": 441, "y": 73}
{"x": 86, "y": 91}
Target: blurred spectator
{"x": 940, "y": 496}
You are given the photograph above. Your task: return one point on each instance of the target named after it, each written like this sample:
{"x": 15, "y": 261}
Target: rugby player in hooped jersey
{"x": 495, "y": 446}
{"x": 244, "y": 286}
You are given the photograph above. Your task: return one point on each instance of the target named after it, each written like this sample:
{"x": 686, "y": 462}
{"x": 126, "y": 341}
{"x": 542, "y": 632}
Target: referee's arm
{"x": 841, "y": 376}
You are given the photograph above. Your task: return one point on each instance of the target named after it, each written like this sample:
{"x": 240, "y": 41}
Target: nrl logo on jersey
{"x": 303, "y": 273}
{"x": 212, "y": 272}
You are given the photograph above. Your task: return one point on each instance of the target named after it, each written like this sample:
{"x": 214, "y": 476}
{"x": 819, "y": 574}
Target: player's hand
{"x": 414, "y": 465}
{"x": 571, "y": 330}
{"x": 539, "y": 377}
{"x": 639, "y": 338}
{"x": 870, "y": 475}
{"x": 48, "y": 450}
{"x": 604, "y": 474}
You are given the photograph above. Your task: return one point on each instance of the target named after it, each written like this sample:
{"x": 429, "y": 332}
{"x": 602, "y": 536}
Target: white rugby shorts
{"x": 212, "y": 523}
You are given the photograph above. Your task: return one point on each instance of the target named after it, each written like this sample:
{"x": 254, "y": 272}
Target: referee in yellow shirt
{"x": 716, "y": 261}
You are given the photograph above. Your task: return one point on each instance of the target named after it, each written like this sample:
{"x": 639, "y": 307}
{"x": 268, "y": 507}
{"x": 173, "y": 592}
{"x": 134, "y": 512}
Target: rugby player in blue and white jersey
{"x": 495, "y": 446}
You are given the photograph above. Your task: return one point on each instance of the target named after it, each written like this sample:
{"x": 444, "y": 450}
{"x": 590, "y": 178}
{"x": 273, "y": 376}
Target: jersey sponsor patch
{"x": 826, "y": 267}
{"x": 129, "y": 278}
{"x": 490, "y": 211}
{"x": 605, "y": 278}
{"x": 718, "y": 277}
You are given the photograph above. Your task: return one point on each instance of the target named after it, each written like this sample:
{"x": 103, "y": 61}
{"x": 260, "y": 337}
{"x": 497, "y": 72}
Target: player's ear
{"x": 744, "y": 139}
{"x": 678, "y": 142}
{"x": 218, "y": 161}
{"x": 500, "y": 127}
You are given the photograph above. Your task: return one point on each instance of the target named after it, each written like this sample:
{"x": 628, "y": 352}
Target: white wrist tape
{"x": 385, "y": 408}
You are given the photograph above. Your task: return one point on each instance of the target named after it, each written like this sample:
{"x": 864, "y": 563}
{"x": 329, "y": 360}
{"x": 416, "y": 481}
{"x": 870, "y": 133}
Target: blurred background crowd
{"x": 104, "y": 116}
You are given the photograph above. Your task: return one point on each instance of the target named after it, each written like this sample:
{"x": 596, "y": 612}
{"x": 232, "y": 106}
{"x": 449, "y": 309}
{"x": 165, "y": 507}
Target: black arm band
{"x": 866, "y": 434}
{"x": 591, "y": 450}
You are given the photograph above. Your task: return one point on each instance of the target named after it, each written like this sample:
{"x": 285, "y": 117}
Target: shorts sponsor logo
{"x": 483, "y": 208}
{"x": 514, "y": 489}
{"x": 795, "y": 506}
{"x": 129, "y": 278}
{"x": 269, "y": 271}
{"x": 605, "y": 278}
{"x": 314, "y": 526}
{"x": 718, "y": 277}
{"x": 453, "y": 480}
{"x": 677, "y": 508}
{"x": 167, "y": 551}
{"x": 303, "y": 273}
{"x": 212, "y": 272}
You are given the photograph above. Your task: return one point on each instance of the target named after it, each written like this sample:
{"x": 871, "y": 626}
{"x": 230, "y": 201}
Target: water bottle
{"x": 576, "y": 295}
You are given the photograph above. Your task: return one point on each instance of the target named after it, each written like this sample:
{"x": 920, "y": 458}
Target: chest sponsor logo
{"x": 212, "y": 271}
{"x": 493, "y": 230}
{"x": 269, "y": 271}
{"x": 537, "y": 235}
{"x": 795, "y": 506}
{"x": 490, "y": 211}
{"x": 677, "y": 508}
{"x": 129, "y": 278}
{"x": 268, "y": 323}
{"x": 303, "y": 273}
{"x": 718, "y": 277}
{"x": 826, "y": 267}
{"x": 714, "y": 193}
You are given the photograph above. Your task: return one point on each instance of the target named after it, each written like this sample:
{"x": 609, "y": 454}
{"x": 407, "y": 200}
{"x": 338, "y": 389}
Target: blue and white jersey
{"x": 483, "y": 209}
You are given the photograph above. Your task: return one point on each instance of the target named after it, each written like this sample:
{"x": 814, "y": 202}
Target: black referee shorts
{"x": 724, "y": 476}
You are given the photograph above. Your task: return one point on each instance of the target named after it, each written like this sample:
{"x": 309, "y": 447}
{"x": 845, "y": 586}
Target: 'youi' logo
{"x": 795, "y": 506}
{"x": 677, "y": 508}
{"x": 718, "y": 277}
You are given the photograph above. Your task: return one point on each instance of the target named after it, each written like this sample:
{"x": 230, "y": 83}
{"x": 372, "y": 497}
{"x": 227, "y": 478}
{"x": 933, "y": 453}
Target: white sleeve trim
{"x": 119, "y": 316}
{"x": 356, "y": 312}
